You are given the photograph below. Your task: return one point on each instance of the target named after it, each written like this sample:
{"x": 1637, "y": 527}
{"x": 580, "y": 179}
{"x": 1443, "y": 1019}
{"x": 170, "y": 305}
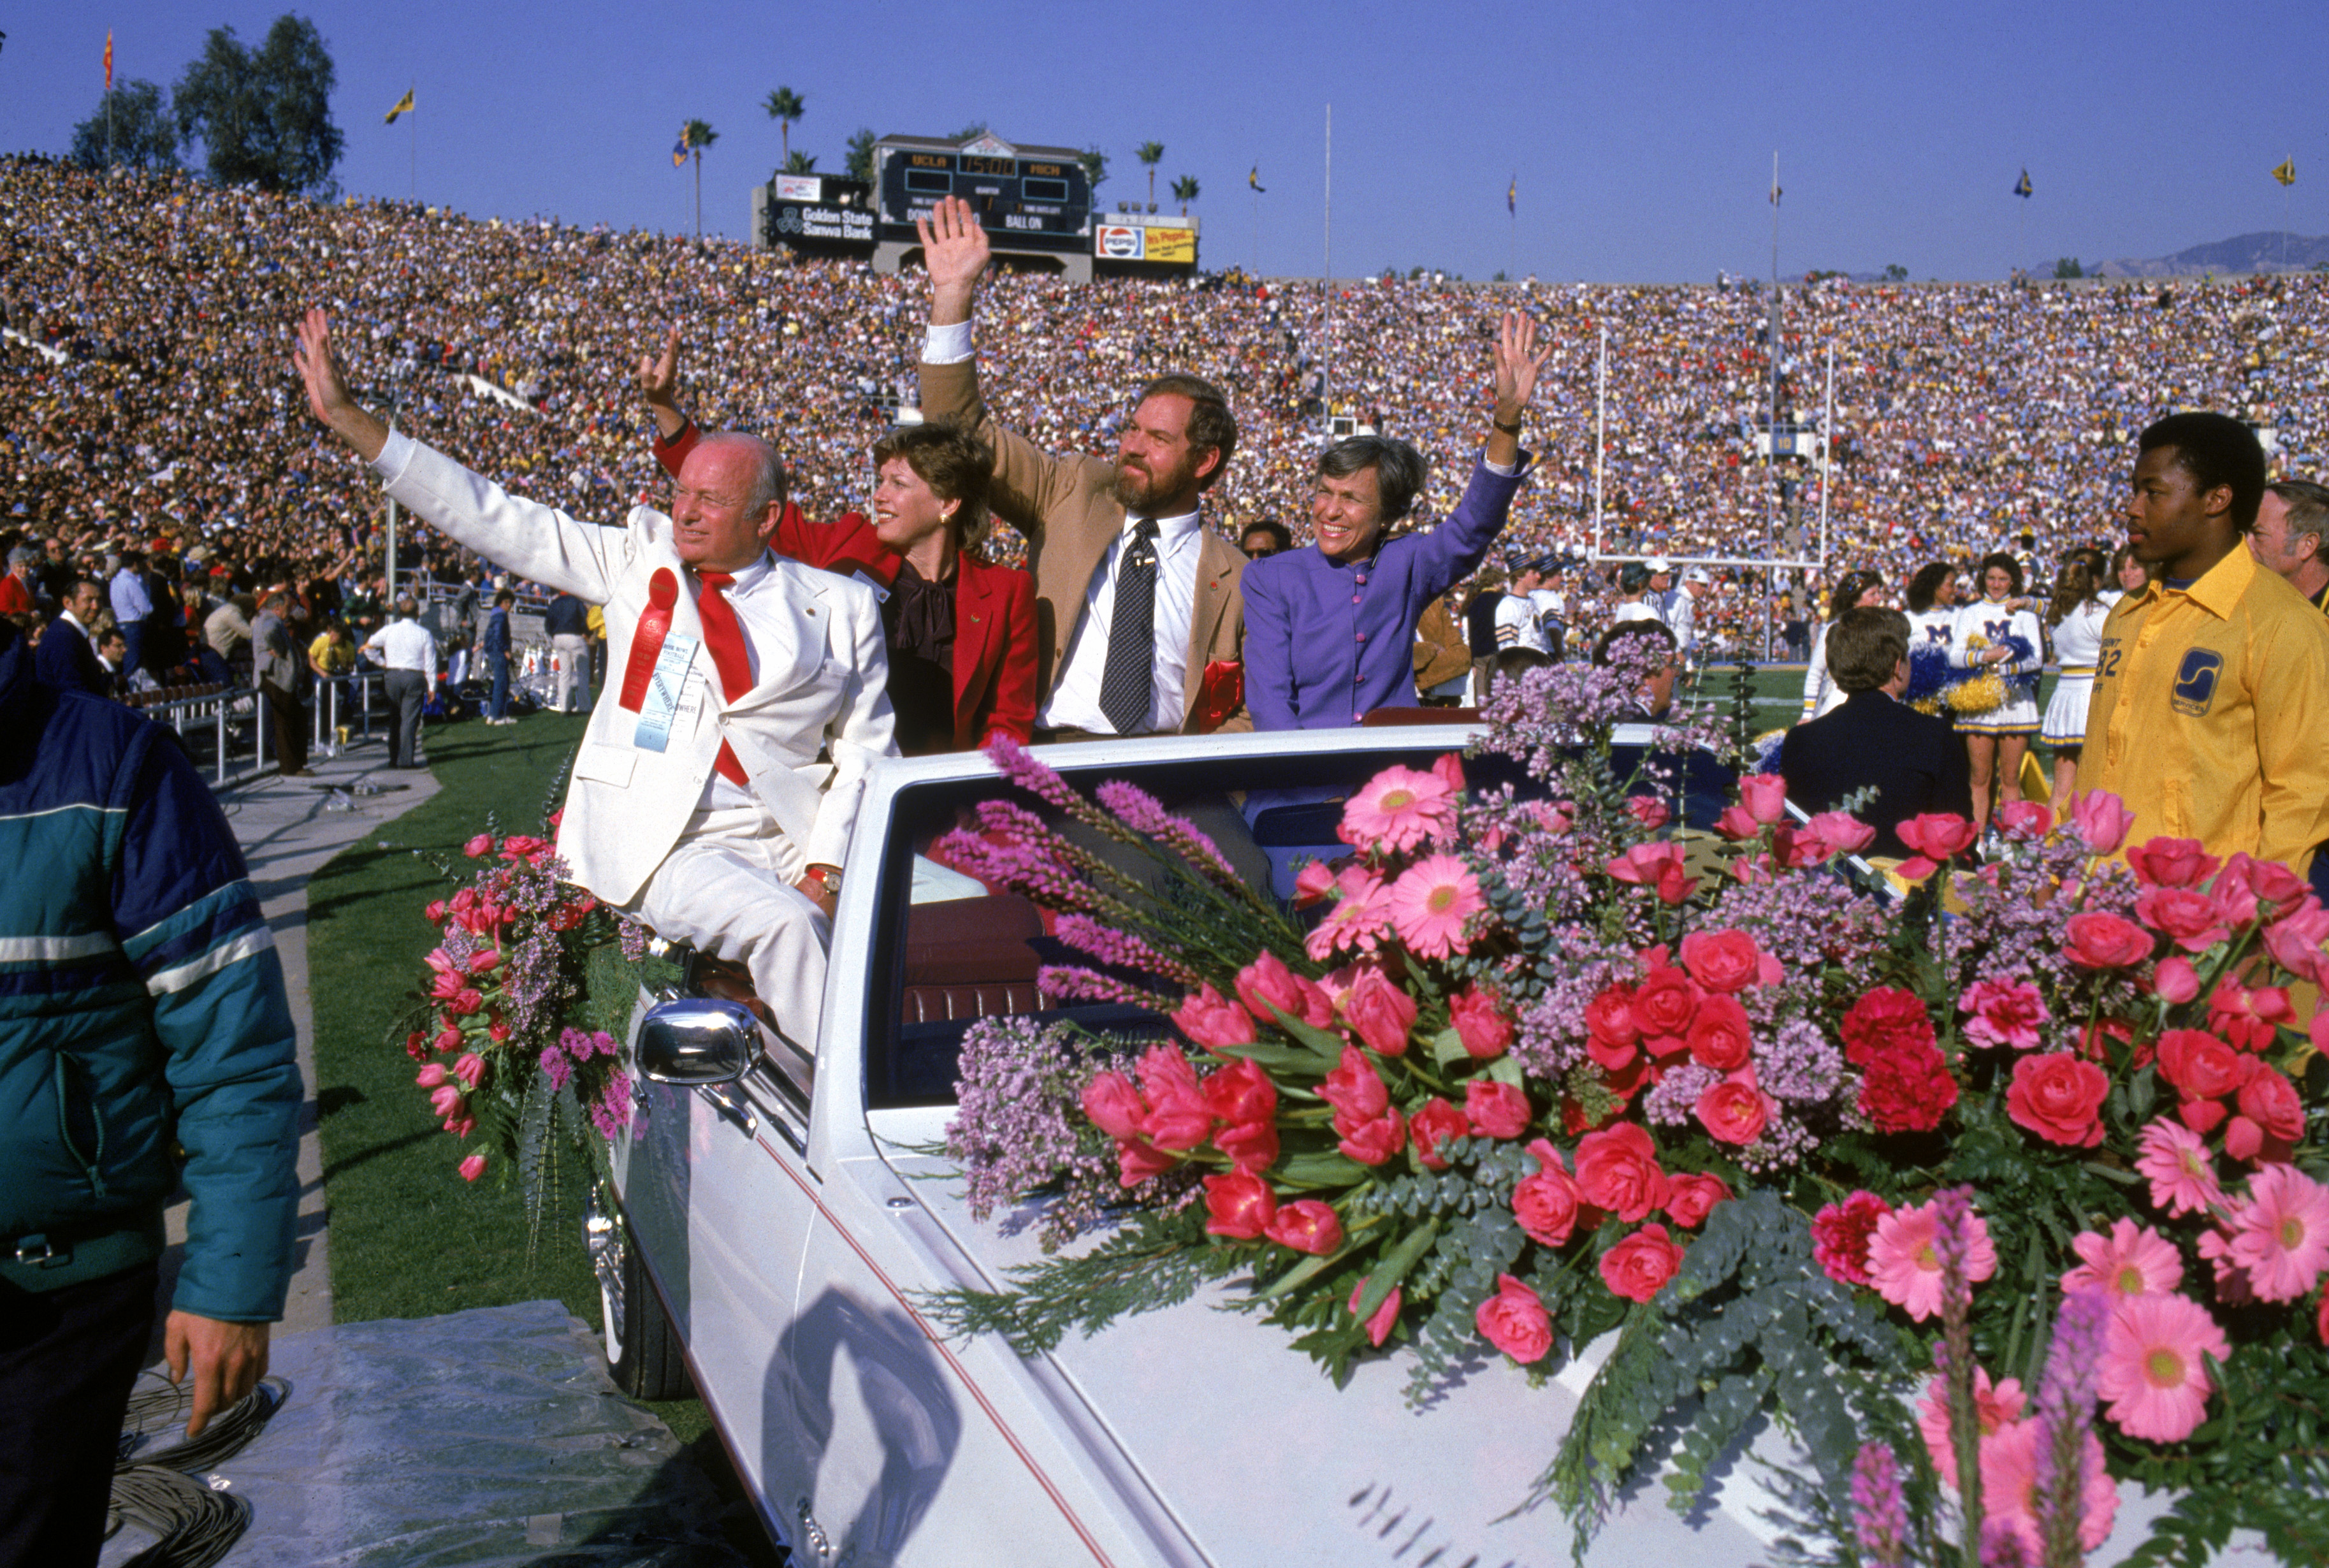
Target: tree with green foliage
{"x": 861, "y": 155}
{"x": 2067, "y": 267}
{"x": 1095, "y": 163}
{"x": 1151, "y": 153}
{"x": 801, "y": 163}
{"x": 1185, "y": 191}
{"x": 970, "y": 133}
{"x": 785, "y": 106}
{"x": 695, "y": 135}
{"x": 1895, "y": 273}
{"x": 264, "y": 117}
{"x": 138, "y": 136}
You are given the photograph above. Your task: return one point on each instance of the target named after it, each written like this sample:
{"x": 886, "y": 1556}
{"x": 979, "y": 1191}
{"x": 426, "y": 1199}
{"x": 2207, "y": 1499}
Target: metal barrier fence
{"x": 220, "y": 713}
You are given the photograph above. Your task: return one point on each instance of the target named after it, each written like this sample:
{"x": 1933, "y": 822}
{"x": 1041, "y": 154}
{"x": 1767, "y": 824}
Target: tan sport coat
{"x": 1063, "y": 505}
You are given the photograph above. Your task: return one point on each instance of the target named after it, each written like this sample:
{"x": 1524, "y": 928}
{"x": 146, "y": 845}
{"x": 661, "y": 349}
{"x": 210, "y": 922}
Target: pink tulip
{"x": 1938, "y": 834}
{"x": 1313, "y": 882}
{"x": 1841, "y": 832}
{"x": 2026, "y": 820}
{"x": 445, "y": 1100}
{"x": 2175, "y": 980}
{"x": 470, "y": 1068}
{"x": 483, "y": 844}
{"x": 2100, "y": 819}
{"x": 430, "y": 1076}
{"x": 473, "y": 1167}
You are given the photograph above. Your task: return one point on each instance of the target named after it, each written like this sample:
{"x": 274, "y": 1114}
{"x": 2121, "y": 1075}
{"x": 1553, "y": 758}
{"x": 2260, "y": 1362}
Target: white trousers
{"x": 572, "y": 654}
{"x": 726, "y": 886}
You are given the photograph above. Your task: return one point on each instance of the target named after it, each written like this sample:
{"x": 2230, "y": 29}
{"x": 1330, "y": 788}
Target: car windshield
{"x": 958, "y": 949}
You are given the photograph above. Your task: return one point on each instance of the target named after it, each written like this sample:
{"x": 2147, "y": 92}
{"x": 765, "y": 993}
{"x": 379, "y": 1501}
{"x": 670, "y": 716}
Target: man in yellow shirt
{"x": 2211, "y": 689}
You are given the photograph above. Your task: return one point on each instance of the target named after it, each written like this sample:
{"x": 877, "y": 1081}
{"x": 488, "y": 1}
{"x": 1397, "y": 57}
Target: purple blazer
{"x": 1326, "y": 644}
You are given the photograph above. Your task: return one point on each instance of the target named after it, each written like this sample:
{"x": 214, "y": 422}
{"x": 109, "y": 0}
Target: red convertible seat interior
{"x": 972, "y": 958}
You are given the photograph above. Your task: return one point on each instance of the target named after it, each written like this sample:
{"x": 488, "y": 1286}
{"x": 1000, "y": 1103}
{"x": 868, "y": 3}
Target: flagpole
{"x": 1827, "y": 450}
{"x": 1771, "y": 431}
{"x": 1600, "y": 434}
{"x": 412, "y": 151}
{"x": 1326, "y": 377}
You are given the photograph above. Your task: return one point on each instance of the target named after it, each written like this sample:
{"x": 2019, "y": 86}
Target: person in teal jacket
{"x": 146, "y": 1041}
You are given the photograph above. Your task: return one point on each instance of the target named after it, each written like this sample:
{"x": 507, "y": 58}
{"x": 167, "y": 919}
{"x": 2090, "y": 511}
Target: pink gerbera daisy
{"x": 1398, "y": 810}
{"x": 1993, "y": 1408}
{"x": 2281, "y": 1234}
{"x": 2182, "y": 1172}
{"x": 2009, "y": 1482}
{"x": 1355, "y": 921}
{"x": 1904, "y": 1258}
{"x": 2152, "y": 1376}
{"x": 1431, "y": 900}
{"x": 2132, "y": 1261}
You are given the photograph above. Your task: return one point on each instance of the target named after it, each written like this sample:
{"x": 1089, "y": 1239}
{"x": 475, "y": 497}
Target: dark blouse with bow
{"x": 918, "y": 619}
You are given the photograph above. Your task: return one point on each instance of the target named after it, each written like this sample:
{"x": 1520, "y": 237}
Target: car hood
{"x": 1263, "y": 1460}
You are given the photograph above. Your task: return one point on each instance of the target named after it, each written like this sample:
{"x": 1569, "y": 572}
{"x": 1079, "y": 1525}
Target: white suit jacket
{"x": 823, "y": 689}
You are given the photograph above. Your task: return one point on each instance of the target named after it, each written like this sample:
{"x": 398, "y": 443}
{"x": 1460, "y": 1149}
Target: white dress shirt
{"x": 755, "y": 599}
{"x": 129, "y": 597}
{"x": 1075, "y": 694}
{"x": 404, "y": 643}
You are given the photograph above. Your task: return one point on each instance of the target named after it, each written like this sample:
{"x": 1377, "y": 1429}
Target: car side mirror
{"x": 697, "y": 1040}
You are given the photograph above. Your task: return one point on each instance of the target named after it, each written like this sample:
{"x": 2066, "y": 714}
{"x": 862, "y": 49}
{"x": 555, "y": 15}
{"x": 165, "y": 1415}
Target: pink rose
{"x": 2176, "y": 981}
{"x": 1666, "y": 1002}
{"x": 1355, "y": 1090}
{"x": 2199, "y": 1065}
{"x": 1378, "y": 1326}
{"x": 1718, "y": 1036}
{"x": 1381, "y": 1012}
{"x": 2171, "y": 862}
{"x": 468, "y": 1003}
{"x": 2270, "y": 1101}
{"x": 1493, "y": 1109}
{"x": 1765, "y": 796}
{"x": 1724, "y": 961}
{"x": 435, "y": 913}
{"x": 1638, "y": 1266}
{"x": 1313, "y": 882}
{"x": 1481, "y": 1022}
{"x": 1268, "y": 983}
{"x": 1658, "y": 867}
{"x": 1546, "y": 1203}
{"x": 1306, "y": 1225}
{"x": 2025, "y": 819}
{"x": 2192, "y": 919}
{"x": 2059, "y": 1098}
{"x": 473, "y": 1167}
{"x": 2250, "y": 888}
{"x": 2095, "y": 941}
{"x": 1691, "y": 1198}
{"x": 1938, "y": 834}
{"x": 2101, "y": 819}
{"x": 1648, "y": 810}
{"x": 2295, "y": 941}
{"x": 483, "y": 844}
{"x": 1610, "y": 1022}
{"x": 1732, "y": 1112}
{"x": 1736, "y": 822}
{"x": 1617, "y": 1170}
{"x": 1434, "y": 1122}
{"x": 1211, "y": 1021}
{"x": 1839, "y": 833}
{"x": 1238, "y": 1206}
{"x": 1373, "y": 1141}
{"x": 1515, "y": 1322}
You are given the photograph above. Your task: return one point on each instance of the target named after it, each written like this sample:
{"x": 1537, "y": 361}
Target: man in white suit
{"x": 745, "y": 697}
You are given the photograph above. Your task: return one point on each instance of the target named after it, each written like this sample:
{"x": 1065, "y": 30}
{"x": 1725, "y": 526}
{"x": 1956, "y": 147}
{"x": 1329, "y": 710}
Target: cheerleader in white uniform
{"x": 1997, "y": 740}
{"x": 1933, "y": 606}
{"x": 2077, "y": 615}
{"x": 1852, "y": 590}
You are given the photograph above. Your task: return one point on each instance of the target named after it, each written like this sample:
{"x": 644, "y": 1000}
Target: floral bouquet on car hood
{"x": 1528, "y": 1066}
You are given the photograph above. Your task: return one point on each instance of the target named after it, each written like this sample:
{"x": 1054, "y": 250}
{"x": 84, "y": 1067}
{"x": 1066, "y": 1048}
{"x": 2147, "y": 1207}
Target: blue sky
{"x": 1641, "y": 134}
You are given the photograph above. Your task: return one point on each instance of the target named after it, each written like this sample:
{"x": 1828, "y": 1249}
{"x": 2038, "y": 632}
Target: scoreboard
{"x": 1024, "y": 203}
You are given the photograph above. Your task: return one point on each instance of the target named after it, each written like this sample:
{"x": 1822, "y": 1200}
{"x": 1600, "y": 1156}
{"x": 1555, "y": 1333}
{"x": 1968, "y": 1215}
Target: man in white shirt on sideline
{"x": 1682, "y": 614}
{"x": 131, "y": 603}
{"x": 409, "y": 654}
{"x": 1518, "y": 622}
{"x": 1552, "y": 609}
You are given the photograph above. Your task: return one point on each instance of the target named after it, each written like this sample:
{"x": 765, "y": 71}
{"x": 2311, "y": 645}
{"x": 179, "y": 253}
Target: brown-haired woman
{"x": 1852, "y": 590}
{"x": 2076, "y": 617}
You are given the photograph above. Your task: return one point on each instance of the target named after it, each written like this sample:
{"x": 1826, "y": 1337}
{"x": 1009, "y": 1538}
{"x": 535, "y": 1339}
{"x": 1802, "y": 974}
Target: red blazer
{"x": 994, "y": 611}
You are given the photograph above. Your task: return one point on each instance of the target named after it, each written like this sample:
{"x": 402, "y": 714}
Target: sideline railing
{"x": 220, "y": 713}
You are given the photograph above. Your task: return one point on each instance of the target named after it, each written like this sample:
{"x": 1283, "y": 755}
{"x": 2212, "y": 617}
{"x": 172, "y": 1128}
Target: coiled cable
{"x": 196, "y": 1524}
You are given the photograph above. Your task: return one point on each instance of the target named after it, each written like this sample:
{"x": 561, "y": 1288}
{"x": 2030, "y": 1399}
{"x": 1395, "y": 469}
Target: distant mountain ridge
{"x": 2271, "y": 250}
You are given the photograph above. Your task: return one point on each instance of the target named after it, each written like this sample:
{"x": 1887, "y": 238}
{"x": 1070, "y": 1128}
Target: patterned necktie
{"x": 1131, "y": 679}
{"x": 725, "y": 639}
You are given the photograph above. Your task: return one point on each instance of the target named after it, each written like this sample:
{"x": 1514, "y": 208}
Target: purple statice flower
{"x": 1673, "y": 1098}
{"x": 1879, "y": 1512}
{"x": 556, "y": 1065}
{"x": 1798, "y": 1063}
{"x": 1550, "y": 1037}
{"x": 1145, "y": 814}
{"x": 633, "y": 936}
{"x": 1805, "y": 921}
{"x": 1019, "y": 1124}
{"x": 1783, "y": 1145}
{"x": 2066, "y": 1415}
{"x": 1063, "y": 983}
{"x": 1119, "y": 949}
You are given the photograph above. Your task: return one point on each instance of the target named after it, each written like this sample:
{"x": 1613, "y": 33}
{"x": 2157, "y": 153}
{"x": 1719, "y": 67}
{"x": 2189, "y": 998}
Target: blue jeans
{"x": 497, "y": 702}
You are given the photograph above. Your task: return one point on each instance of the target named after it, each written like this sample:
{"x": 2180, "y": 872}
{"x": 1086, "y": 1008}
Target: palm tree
{"x": 1151, "y": 153}
{"x": 1185, "y": 191}
{"x": 785, "y": 105}
{"x": 801, "y": 163}
{"x": 861, "y": 155}
{"x": 698, "y": 136}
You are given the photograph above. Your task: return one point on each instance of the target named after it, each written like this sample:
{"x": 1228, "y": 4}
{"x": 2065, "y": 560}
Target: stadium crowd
{"x": 1967, "y": 417}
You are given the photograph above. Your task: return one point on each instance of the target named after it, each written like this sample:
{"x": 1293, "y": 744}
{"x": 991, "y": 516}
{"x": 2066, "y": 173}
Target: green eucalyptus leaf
{"x": 1396, "y": 1264}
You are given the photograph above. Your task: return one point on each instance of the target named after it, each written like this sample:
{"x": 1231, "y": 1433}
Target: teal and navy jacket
{"x": 141, "y": 1006}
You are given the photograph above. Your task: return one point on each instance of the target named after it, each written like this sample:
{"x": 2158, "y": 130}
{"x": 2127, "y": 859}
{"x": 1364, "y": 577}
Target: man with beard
{"x": 1141, "y": 618}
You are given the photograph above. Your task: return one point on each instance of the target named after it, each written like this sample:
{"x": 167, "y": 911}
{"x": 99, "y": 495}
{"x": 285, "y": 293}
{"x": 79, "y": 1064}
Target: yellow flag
{"x": 2287, "y": 172}
{"x": 403, "y": 105}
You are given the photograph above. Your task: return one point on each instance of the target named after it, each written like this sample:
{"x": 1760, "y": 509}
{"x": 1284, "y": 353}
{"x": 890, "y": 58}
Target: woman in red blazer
{"x": 961, "y": 632}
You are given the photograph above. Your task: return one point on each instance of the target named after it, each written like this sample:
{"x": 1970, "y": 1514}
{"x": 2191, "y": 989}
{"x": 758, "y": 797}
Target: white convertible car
{"x": 775, "y": 1235}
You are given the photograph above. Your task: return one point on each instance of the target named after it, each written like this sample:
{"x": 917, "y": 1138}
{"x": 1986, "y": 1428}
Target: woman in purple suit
{"x": 1329, "y": 632}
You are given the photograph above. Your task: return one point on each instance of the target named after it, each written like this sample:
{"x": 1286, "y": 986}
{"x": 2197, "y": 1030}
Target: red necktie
{"x": 725, "y": 639}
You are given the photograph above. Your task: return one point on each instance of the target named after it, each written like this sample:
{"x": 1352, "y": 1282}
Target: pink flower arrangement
{"x": 1904, "y": 1260}
{"x": 2280, "y": 1235}
{"x": 1399, "y": 809}
{"x": 2132, "y": 1261}
{"x": 2154, "y": 1382}
{"x": 1431, "y": 902}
